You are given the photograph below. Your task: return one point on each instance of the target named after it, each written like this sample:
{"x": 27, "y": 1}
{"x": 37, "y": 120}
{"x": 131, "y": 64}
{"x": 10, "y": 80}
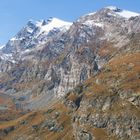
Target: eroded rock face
{"x": 48, "y": 70}
{"x": 122, "y": 124}
{"x": 106, "y": 106}
{"x": 5, "y": 65}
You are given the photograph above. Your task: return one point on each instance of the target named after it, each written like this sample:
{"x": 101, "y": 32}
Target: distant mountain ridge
{"x": 38, "y": 32}
{"x": 35, "y": 33}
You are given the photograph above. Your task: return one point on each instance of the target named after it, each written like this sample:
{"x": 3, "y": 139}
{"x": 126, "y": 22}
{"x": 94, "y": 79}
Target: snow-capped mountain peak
{"x": 123, "y": 13}
{"x": 51, "y": 24}
{"x": 34, "y": 33}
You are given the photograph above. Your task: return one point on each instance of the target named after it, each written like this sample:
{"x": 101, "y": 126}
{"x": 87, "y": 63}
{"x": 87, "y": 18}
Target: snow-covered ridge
{"x": 114, "y": 11}
{"x": 128, "y": 14}
{"x": 32, "y": 35}
{"x": 93, "y": 23}
{"x": 44, "y": 27}
{"x": 90, "y": 14}
{"x": 123, "y": 13}
{"x": 2, "y": 47}
{"x": 111, "y": 7}
{"x": 52, "y": 23}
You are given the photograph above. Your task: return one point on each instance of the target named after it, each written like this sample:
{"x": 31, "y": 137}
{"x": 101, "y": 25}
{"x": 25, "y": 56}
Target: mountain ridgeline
{"x": 80, "y": 80}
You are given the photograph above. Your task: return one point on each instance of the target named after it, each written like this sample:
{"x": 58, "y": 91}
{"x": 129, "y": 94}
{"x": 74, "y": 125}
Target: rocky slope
{"x": 82, "y": 79}
{"x": 48, "y": 67}
{"x": 106, "y": 106}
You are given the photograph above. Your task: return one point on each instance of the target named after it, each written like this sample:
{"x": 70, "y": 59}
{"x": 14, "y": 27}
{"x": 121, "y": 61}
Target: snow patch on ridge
{"x": 93, "y": 23}
{"x": 1, "y": 47}
{"x": 13, "y": 39}
{"x": 123, "y": 13}
{"x": 127, "y": 14}
{"x": 112, "y": 7}
{"x": 52, "y": 24}
{"x": 90, "y": 14}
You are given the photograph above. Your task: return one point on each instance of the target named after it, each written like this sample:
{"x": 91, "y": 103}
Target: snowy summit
{"x": 51, "y": 24}
{"x": 123, "y": 13}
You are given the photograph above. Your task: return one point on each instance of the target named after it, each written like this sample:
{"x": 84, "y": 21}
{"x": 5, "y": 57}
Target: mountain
{"x": 124, "y": 13}
{"x": 35, "y": 33}
{"x": 74, "y": 81}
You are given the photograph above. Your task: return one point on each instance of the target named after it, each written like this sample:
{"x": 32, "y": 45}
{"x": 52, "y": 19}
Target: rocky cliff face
{"x": 49, "y": 64}
{"x": 106, "y": 106}
{"x": 84, "y": 77}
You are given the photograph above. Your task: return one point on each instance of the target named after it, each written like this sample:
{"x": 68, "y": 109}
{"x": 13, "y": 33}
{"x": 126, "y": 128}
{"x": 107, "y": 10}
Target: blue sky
{"x": 14, "y": 14}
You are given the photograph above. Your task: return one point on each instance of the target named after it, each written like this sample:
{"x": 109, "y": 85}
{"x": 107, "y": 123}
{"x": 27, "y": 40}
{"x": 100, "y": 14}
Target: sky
{"x": 14, "y": 14}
